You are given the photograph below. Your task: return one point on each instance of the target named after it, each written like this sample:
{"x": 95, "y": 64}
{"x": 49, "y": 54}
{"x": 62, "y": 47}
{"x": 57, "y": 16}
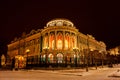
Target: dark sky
{"x": 98, "y": 18}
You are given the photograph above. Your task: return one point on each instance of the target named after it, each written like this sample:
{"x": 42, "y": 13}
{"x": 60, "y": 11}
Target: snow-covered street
{"x": 73, "y": 74}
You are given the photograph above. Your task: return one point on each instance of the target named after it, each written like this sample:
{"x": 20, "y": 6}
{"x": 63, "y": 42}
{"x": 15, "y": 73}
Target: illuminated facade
{"x": 114, "y": 51}
{"x": 59, "y": 42}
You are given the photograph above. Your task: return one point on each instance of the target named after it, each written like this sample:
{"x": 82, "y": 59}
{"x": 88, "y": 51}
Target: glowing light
{"x": 59, "y": 45}
{"x": 45, "y": 42}
{"x": 50, "y": 58}
{"x": 27, "y": 50}
{"x": 66, "y": 44}
{"x": 60, "y": 57}
{"x": 20, "y": 58}
{"x": 51, "y": 41}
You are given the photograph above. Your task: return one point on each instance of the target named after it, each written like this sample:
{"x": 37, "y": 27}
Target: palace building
{"x": 58, "y": 43}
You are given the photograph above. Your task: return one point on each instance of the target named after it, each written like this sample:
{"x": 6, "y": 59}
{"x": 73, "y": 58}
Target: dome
{"x": 60, "y": 22}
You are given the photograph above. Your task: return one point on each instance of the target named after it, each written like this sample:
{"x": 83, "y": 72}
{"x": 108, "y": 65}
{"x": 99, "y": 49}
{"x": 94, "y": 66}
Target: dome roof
{"x": 60, "y": 22}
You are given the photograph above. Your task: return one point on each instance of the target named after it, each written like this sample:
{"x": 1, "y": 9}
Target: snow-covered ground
{"x": 73, "y": 74}
{"x": 115, "y": 74}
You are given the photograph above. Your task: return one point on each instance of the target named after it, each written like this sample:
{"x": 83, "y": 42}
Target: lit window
{"x": 73, "y": 42}
{"x": 60, "y": 57}
{"x": 45, "y": 42}
{"x": 59, "y": 41}
{"x": 67, "y": 41}
{"x": 50, "y": 58}
{"x": 66, "y": 44}
{"x": 59, "y": 45}
{"x": 51, "y": 41}
{"x": 59, "y": 23}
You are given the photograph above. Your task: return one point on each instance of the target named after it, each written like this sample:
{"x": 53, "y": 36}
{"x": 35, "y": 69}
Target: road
{"x": 99, "y": 74}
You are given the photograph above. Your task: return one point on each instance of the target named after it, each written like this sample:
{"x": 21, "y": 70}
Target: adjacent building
{"x": 59, "y": 42}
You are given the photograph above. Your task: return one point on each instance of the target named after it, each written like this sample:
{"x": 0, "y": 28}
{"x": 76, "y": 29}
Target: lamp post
{"x": 27, "y": 51}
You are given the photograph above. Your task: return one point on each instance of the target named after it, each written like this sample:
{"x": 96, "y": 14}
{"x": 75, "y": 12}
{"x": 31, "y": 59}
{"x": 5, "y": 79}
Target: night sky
{"x": 98, "y": 18}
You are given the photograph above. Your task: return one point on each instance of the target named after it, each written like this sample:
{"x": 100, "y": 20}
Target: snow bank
{"x": 115, "y": 74}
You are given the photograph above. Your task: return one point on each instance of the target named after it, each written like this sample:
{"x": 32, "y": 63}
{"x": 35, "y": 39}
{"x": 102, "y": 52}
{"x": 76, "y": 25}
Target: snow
{"x": 115, "y": 74}
{"x": 72, "y": 74}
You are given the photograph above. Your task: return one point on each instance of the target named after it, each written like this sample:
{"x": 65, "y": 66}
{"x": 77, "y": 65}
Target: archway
{"x": 60, "y": 58}
{"x": 50, "y": 58}
{"x": 44, "y": 58}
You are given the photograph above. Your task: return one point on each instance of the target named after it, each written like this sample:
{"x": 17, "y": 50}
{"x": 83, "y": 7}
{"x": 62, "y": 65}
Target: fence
{"x": 37, "y": 61}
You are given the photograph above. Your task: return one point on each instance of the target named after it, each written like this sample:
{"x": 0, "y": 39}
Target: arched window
{"x": 59, "y": 57}
{"x": 51, "y": 41}
{"x": 59, "y": 23}
{"x": 50, "y": 58}
{"x": 59, "y": 44}
{"x": 67, "y": 40}
{"x": 45, "y": 41}
{"x": 73, "y": 41}
{"x": 75, "y": 58}
{"x": 66, "y": 44}
{"x": 59, "y": 41}
{"x": 44, "y": 58}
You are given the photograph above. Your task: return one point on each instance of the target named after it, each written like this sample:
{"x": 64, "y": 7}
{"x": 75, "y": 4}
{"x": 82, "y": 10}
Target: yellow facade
{"x": 60, "y": 40}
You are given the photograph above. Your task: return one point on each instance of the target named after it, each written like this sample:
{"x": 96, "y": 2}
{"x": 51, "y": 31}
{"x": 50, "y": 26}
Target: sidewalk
{"x": 74, "y": 71}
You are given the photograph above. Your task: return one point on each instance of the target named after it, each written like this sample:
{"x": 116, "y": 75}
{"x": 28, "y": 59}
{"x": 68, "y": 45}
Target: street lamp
{"x": 27, "y": 51}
